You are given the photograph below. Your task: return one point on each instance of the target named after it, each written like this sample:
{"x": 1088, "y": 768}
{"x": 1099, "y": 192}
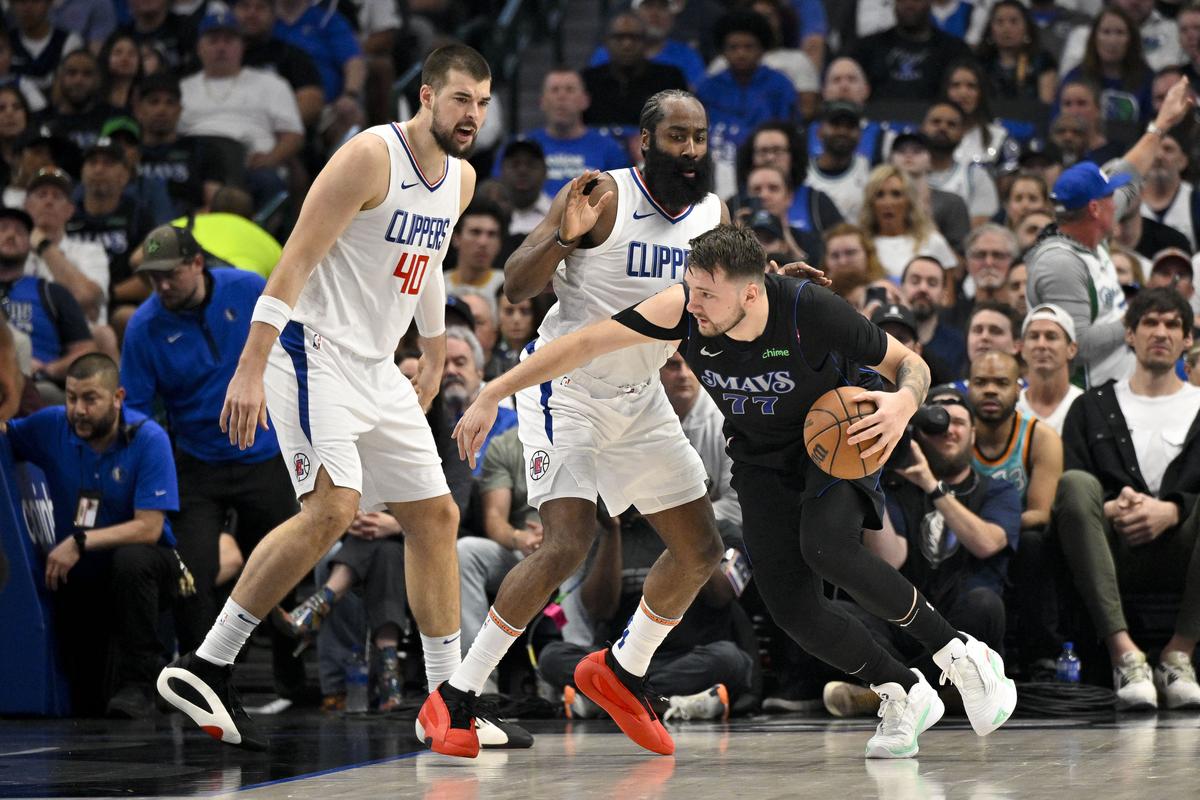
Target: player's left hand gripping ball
{"x": 892, "y": 412}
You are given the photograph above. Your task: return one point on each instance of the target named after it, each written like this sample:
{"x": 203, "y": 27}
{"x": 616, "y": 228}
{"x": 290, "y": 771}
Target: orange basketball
{"x": 825, "y": 433}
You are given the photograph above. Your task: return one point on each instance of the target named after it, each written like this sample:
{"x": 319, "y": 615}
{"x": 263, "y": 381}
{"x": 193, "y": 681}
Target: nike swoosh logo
{"x": 404, "y": 185}
{"x": 704, "y": 352}
{"x": 173, "y": 338}
{"x": 243, "y": 618}
{"x": 636, "y": 215}
{"x": 452, "y": 639}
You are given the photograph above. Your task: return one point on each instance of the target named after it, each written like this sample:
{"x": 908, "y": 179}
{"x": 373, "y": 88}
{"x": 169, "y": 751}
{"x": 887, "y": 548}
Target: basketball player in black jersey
{"x": 765, "y": 347}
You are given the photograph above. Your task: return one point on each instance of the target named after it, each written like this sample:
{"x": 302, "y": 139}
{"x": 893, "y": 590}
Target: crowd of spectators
{"x": 1005, "y": 186}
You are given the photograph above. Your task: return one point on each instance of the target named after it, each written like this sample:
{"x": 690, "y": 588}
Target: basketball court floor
{"x": 327, "y": 757}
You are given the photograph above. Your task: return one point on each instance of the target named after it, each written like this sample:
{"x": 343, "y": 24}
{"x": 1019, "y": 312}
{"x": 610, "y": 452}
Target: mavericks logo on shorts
{"x": 300, "y": 466}
{"x": 539, "y": 464}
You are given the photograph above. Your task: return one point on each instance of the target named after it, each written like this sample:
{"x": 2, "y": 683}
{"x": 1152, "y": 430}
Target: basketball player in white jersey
{"x": 364, "y": 261}
{"x": 606, "y": 429}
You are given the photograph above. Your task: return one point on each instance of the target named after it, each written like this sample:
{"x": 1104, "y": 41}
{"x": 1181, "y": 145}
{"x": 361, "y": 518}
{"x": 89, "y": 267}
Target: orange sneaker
{"x": 447, "y": 722}
{"x": 622, "y": 695}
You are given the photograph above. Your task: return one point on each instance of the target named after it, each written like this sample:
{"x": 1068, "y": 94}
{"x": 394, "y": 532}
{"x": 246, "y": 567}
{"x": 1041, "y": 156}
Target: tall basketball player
{"x": 765, "y": 348}
{"x": 364, "y": 261}
{"x": 606, "y": 429}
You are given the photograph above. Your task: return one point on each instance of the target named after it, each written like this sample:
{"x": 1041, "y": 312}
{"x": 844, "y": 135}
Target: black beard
{"x": 944, "y": 467}
{"x": 13, "y": 262}
{"x": 445, "y": 140}
{"x": 666, "y": 181}
{"x": 101, "y": 429}
{"x": 841, "y": 147}
{"x": 942, "y": 146}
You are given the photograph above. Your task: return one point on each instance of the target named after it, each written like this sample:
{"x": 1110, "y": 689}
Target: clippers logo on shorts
{"x": 539, "y": 464}
{"x": 415, "y": 230}
{"x": 300, "y": 465}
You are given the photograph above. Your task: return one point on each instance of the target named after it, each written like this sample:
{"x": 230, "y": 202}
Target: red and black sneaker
{"x": 623, "y": 696}
{"x": 446, "y": 722}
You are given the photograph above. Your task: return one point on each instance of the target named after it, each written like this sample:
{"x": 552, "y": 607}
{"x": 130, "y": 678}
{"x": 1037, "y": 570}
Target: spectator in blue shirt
{"x": 570, "y": 147}
{"x": 112, "y": 483}
{"x": 181, "y": 347}
{"x": 45, "y": 311}
{"x": 661, "y": 48}
{"x": 461, "y": 382}
{"x": 748, "y": 93}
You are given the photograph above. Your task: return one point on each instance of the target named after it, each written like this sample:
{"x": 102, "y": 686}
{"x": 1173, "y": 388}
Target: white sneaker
{"x": 1134, "y": 683}
{"x": 710, "y": 704}
{"x": 977, "y": 672}
{"x": 904, "y": 716}
{"x": 1175, "y": 678}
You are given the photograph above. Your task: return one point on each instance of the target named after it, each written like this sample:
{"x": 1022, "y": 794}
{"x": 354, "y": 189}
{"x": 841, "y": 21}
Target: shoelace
{"x": 961, "y": 678}
{"x": 892, "y": 714}
{"x": 1183, "y": 672}
{"x": 1135, "y": 673}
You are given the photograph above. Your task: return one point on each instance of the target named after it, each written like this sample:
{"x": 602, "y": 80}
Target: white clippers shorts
{"x": 356, "y": 417}
{"x": 584, "y": 438}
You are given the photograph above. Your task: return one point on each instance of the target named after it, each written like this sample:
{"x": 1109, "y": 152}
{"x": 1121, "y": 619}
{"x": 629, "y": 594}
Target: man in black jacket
{"x": 1125, "y": 511}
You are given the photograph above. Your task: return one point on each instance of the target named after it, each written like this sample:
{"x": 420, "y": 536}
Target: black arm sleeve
{"x": 633, "y": 320}
{"x": 70, "y": 321}
{"x": 826, "y": 323}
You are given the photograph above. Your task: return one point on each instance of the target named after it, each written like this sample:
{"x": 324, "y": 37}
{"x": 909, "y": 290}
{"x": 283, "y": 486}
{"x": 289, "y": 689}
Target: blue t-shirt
{"x": 188, "y": 358}
{"x": 1117, "y": 101}
{"x": 768, "y": 96}
{"x": 328, "y": 38}
{"x": 505, "y": 418}
{"x": 136, "y": 472}
{"x": 674, "y": 54}
{"x": 566, "y": 159}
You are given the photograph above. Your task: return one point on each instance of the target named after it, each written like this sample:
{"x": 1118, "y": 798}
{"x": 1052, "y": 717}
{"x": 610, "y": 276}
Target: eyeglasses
{"x": 994, "y": 255}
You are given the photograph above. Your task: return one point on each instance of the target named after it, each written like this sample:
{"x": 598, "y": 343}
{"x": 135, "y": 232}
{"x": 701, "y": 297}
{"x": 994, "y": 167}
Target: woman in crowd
{"x": 1026, "y": 191}
{"x": 14, "y": 119}
{"x": 120, "y": 68}
{"x": 1114, "y": 61}
{"x": 1012, "y": 56}
{"x": 517, "y": 325}
{"x": 897, "y": 223}
{"x": 983, "y": 137}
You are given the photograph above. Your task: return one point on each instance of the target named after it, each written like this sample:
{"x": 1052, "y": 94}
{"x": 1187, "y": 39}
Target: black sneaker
{"x": 498, "y": 734}
{"x": 131, "y": 702}
{"x": 204, "y": 691}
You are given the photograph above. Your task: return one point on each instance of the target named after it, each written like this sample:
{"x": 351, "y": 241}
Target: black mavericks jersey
{"x": 814, "y": 341}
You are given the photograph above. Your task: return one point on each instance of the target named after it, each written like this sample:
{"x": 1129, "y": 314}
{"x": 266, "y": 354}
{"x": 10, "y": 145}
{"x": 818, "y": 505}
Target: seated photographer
{"x": 1125, "y": 512}
{"x": 112, "y": 482}
{"x": 953, "y": 532}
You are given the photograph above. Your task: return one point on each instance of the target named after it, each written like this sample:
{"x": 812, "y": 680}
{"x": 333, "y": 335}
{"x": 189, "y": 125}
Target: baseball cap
{"x": 1084, "y": 182}
{"x": 1053, "y": 313}
{"x": 51, "y": 176}
{"x": 456, "y": 306}
{"x": 122, "y": 124}
{"x": 159, "y": 82}
{"x": 896, "y": 314}
{"x": 220, "y": 21}
{"x": 1172, "y": 255}
{"x": 1043, "y": 150}
{"x": 675, "y": 5}
{"x": 18, "y": 214}
{"x": 841, "y": 109}
{"x": 947, "y": 394}
{"x": 766, "y": 222}
{"x": 523, "y": 146}
{"x": 166, "y": 247}
{"x": 909, "y": 137}
{"x": 105, "y": 146}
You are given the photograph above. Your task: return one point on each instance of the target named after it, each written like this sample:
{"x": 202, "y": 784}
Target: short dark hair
{"x": 436, "y": 69}
{"x": 1158, "y": 300}
{"x": 734, "y": 250}
{"x": 930, "y": 259}
{"x": 946, "y": 101}
{"x": 653, "y": 111}
{"x": 743, "y": 22}
{"x": 485, "y": 208}
{"x": 90, "y": 365}
{"x": 1003, "y": 309}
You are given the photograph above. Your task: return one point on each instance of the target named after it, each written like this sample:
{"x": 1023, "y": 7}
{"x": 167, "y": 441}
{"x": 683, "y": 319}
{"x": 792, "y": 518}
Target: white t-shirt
{"x": 1055, "y": 418}
{"x": 524, "y": 220}
{"x": 1158, "y": 426}
{"x": 251, "y": 107}
{"x": 896, "y": 251}
{"x": 89, "y": 258}
{"x": 972, "y": 183}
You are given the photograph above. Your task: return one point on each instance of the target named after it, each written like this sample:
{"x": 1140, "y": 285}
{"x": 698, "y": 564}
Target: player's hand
{"x": 428, "y": 382}
{"x": 886, "y": 425}
{"x": 59, "y": 562}
{"x": 798, "y": 269}
{"x": 529, "y": 539}
{"x": 918, "y": 473}
{"x": 472, "y": 429}
{"x": 579, "y": 215}
{"x": 245, "y": 407}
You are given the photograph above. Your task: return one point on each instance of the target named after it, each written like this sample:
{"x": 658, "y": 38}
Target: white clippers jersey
{"x": 386, "y": 267}
{"x": 645, "y": 253}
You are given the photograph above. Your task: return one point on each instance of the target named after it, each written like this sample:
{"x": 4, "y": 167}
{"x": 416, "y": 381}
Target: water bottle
{"x": 358, "y": 677}
{"x": 1067, "y": 666}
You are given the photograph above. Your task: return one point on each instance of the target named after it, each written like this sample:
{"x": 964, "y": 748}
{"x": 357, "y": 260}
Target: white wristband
{"x": 272, "y": 311}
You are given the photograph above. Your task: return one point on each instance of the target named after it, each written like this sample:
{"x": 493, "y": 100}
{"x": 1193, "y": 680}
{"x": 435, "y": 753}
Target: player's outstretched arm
{"x": 355, "y": 178}
{"x": 575, "y": 212}
{"x": 560, "y": 357}
{"x": 893, "y": 410}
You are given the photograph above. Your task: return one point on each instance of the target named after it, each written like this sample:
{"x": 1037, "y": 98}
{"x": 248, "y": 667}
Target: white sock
{"x": 493, "y": 641}
{"x": 228, "y": 635}
{"x": 443, "y": 654}
{"x": 643, "y": 634}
